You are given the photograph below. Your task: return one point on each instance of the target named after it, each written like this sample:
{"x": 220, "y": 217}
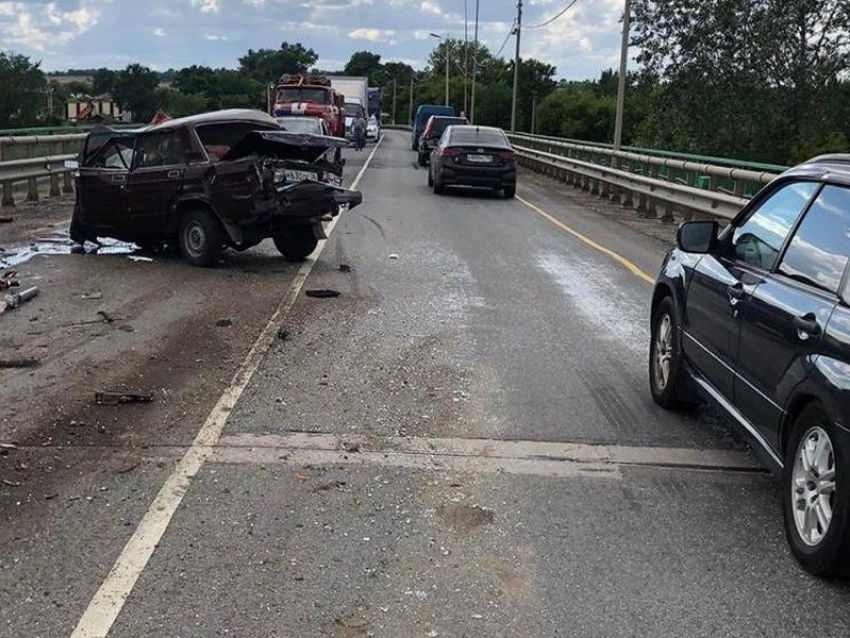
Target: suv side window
{"x": 758, "y": 240}
{"x": 819, "y": 251}
{"x": 160, "y": 149}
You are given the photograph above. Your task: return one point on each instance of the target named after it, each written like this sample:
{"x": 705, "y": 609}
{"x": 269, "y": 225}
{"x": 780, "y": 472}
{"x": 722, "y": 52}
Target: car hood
{"x": 305, "y": 147}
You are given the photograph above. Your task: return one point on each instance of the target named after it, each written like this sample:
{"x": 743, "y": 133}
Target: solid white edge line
{"x": 106, "y": 605}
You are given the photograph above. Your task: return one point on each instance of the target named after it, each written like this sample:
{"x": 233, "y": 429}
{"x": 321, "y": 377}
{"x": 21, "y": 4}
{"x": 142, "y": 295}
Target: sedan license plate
{"x": 480, "y": 159}
{"x": 299, "y": 176}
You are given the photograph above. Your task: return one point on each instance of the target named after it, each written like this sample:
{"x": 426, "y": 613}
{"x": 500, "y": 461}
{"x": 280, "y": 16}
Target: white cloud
{"x": 431, "y": 8}
{"x": 207, "y": 6}
{"x": 38, "y": 27}
{"x": 215, "y": 37}
{"x": 159, "y": 32}
{"x": 373, "y": 35}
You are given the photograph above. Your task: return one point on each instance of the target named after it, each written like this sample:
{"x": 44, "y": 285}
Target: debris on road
{"x": 393, "y": 256}
{"x": 283, "y": 334}
{"x": 114, "y": 398}
{"x": 344, "y": 268}
{"x": 11, "y": 483}
{"x": 92, "y": 295}
{"x": 7, "y": 280}
{"x": 126, "y": 328}
{"x": 24, "y": 362}
{"x": 139, "y": 258}
{"x": 6, "y": 220}
{"x": 107, "y": 318}
{"x": 224, "y": 322}
{"x": 351, "y": 446}
{"x": 322, "y": 293}
{"x": 8, "y": 446}
{"x": 325, "y": 487}
{"x": 15, "y": 299}
{"x": 128, "y": 469}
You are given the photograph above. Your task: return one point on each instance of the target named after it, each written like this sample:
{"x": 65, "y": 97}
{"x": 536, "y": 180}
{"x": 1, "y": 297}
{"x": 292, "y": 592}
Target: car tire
{"x": 430, "y": 179}
{"x": 667, "y": 375}
{"x": 810, "y": 495}
{"x": 296, "y": 243}
{"x": 439, "y": 188}
{"x": 423, "y": 159}
{"x": 510, "y": 191}
{"x": 201, "y": 237}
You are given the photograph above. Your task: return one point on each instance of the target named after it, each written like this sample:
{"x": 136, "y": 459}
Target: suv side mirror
{"x": 697, "y": 237}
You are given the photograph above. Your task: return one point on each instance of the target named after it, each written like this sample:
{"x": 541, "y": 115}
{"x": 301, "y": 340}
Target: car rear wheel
{"x": 423, "y": 159}
{"x": 510, "y": 191}
{"x": 430, "y": 179}
{"x": 296, "y": 243}
{"x": 201, "y": 237}
{"x": 667, "y": 376}
{"x": 816, "y": 503}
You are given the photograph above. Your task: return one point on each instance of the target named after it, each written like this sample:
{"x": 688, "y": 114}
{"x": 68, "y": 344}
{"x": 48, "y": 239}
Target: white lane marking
{"x": 107, "y": 603}
{"x": 241, "y": 446}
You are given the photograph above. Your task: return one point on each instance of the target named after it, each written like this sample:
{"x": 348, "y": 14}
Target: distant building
{"x": 84, "y": 107}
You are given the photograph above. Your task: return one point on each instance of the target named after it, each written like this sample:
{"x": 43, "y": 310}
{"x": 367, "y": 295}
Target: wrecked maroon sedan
{"x": 224, "y": 179}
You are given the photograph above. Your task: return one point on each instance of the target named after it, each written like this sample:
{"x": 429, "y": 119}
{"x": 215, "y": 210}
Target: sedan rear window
{"x": 472, "y": 137}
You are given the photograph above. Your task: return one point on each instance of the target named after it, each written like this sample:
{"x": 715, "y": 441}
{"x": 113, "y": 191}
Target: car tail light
{"x": 427, "y": 133}
{"x": 449, "y": 152}
{"x": 508, "y": 156}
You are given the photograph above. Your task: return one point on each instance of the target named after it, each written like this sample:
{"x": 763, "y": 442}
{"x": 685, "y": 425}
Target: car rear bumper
{"x": 478, "y": 176}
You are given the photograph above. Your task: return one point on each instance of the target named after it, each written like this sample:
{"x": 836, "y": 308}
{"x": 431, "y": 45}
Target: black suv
{"x": 757, "y": 319}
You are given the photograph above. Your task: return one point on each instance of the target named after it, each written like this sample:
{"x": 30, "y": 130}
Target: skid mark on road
{"x": 107, "y": 603}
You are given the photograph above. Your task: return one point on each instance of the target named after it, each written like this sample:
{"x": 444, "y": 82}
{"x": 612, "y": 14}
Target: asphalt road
{"x": 461, "y": 444}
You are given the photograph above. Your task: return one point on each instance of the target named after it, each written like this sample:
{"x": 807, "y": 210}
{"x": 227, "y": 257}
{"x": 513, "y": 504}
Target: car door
{"x": 723, "y": 282}
{"x": 103, "y": 185}
{"x": 156, "y": 179}
{"x": 784, "y": 321}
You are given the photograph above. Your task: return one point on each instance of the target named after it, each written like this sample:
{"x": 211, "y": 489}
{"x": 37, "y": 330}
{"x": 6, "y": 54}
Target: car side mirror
{"x": 697, "y": 237}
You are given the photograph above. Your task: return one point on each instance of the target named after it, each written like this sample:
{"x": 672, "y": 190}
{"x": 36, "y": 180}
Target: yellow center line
{"x": 634, "y": 268}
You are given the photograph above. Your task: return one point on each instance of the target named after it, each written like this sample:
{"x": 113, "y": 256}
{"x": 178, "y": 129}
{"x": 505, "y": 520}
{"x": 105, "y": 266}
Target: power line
{"x": 566, "y": 8}
{"x": 507, "y": 37}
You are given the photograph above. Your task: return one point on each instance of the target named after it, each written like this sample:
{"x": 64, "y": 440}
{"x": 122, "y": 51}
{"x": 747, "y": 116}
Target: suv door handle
{"x": 735, "y": 293}
{"x": 174, "y": 173}
{"x": 807, "y": 326}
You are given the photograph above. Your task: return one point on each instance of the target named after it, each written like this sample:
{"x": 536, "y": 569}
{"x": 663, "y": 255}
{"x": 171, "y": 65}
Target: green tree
{"x": 103, "y": 81}
{"x": 179, "y": 104}
{"x": 575, "y": 111}
{"x": 267, "y": 65}
{"x": 363, "y": 63}
{"x": 22, "y": 91}
{"x": 135, "y": 89}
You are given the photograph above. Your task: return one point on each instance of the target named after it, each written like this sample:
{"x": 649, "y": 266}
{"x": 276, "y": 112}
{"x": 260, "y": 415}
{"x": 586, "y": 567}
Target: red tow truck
{"x": 310, "y": 95}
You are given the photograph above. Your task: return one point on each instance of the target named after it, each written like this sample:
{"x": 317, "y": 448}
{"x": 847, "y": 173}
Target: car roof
{"x": 217, "y": 117}
{"x": 459, "y": 118}
{"x": 833, "y": 168}
{"x": 468, "y": 128}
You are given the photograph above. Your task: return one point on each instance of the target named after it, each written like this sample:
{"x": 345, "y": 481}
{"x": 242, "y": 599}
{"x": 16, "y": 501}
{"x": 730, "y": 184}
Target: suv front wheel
{"x": 816, "y": 501}
{"x": 296, "y": 243}
{"x": 667, "y": 377}
{"x": 201, "y": 237}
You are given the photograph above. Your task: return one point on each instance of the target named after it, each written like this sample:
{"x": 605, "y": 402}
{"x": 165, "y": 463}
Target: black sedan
{"x": 757, "y": 319}
{"x": 473, "y": 156}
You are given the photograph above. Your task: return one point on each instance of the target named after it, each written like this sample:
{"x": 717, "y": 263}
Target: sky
{"x": 166, "y": 34}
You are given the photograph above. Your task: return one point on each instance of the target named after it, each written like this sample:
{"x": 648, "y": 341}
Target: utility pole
{"x": 516, "y": 64}
{"x": 474, "y": 65}
{"x": 533, "y": 112}
{"x": 621, "y": 84}
{"x": 448, "y": 57}
{"x": 465, "y": 58}
{"x": 395, "y": 86}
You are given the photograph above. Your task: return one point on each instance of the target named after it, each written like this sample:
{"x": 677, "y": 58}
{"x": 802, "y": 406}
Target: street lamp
{"x": 448, "y": 44}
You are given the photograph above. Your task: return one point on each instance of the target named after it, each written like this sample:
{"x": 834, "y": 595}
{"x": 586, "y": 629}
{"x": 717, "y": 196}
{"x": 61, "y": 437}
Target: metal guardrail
{"x": 31, "y": 158}
{"x": 622, "y": 186}
{"x": 739, "y": 182}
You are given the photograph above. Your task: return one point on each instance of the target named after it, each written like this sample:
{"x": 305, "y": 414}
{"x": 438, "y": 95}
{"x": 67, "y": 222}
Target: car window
{"x": 116, "y": 154}
{"x": 819, "y": 251}
{"x": 300, "y": 125}
{"x": 759, "y": 239}
{"x": 218, "y": 138}
{"x": 470, "y": 136}
{"x": 160, "y": 149}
